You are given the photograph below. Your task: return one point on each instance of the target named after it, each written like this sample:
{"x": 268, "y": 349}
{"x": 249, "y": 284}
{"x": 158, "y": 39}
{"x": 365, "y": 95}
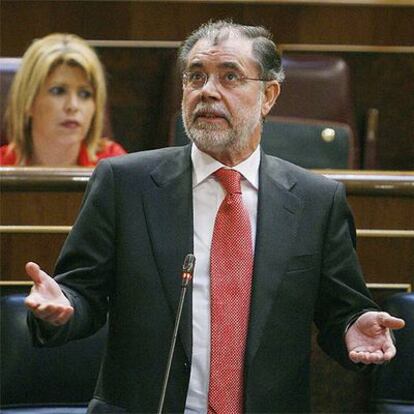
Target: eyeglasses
{"x": 227, "y": 79}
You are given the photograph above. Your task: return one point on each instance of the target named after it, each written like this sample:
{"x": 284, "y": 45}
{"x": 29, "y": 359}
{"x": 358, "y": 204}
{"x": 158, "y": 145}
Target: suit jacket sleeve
{"x": 343, "y": 294}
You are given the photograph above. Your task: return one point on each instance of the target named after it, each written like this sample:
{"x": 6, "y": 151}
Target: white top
{"x": 207, "y": 197}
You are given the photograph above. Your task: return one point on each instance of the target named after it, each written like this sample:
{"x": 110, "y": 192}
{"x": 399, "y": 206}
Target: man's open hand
{"x": 46, "y": 300}
{"x": 369, "y": 338}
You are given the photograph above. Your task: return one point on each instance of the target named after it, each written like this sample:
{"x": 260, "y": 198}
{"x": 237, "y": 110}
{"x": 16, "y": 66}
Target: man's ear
{"x": 271, "y": 93}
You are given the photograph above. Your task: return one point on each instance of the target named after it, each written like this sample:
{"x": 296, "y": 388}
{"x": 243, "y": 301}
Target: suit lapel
{"x": 278, "y": 215}
{"x": 169, "y": 212}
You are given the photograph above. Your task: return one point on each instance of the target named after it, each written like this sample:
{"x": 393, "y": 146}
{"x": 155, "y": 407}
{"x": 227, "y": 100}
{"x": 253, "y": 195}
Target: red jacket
{"x": 111, "y": 149}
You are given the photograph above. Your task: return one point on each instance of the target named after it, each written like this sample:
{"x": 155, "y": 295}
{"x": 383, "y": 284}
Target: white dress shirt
{"x": 207, "y": 197}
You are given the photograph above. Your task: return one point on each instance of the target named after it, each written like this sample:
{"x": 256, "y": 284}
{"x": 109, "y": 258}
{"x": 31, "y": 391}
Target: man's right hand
{"x": 46, "y": 300}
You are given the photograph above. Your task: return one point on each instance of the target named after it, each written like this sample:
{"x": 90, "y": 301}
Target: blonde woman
{"x": 56, "y": 106}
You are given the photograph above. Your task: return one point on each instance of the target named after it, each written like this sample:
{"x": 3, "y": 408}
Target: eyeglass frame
{"x": 207, "y": 77}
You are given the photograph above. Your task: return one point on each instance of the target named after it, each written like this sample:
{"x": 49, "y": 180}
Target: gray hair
{"x": 264, "y": 49}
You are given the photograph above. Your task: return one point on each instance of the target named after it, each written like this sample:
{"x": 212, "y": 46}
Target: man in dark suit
{"x": 144, "y": 212}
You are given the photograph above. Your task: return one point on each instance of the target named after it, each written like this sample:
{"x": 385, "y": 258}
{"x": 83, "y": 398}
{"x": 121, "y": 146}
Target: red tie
{"x": 231, "y": 269}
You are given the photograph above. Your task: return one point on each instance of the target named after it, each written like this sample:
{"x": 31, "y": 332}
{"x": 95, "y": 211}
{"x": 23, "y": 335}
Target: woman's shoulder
{"x": 7, "y": 155}
{"x": 110, "y": 149}
{"x": 107, "y": 148}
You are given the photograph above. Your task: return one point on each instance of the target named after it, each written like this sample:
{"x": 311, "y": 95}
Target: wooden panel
{"x": 139, "y": 83}
{"x": 54, "y": 208}
{"x": 17, "y": 249}
{"x": 382, "y": 212}
{"x": 387, "y": 260}
{"x": 150, "y": 20}
{"x": 37, "y": 197}
{"x": 23, "y": 21}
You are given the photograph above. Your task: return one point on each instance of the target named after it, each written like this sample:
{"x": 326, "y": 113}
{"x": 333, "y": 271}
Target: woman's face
{"x": 63, "y": 109}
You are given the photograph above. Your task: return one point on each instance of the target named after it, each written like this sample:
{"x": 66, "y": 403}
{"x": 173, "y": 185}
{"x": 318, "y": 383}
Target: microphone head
{"x": 189, "y": 263}
{"x": 188, "y": 268}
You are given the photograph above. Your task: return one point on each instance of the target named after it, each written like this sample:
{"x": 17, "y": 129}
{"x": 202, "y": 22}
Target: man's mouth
{"x": 210, "y": 116}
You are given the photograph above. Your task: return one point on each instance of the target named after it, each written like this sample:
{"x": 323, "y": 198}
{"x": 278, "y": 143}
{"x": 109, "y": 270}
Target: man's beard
{"x": 213, "y": 138}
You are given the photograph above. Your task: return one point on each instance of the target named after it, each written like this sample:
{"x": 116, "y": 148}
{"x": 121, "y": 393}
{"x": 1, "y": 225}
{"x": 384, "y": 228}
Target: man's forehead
{"x": 230, "y": 49}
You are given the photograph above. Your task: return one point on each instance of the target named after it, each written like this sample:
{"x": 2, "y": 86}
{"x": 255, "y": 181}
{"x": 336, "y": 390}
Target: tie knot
{"x": 229, "y": 179}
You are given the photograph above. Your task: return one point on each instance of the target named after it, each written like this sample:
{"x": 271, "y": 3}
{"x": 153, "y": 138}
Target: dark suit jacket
{"x": 125, "y": 253}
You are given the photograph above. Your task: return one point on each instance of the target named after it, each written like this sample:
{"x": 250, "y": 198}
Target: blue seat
{"x": 309, "y": 143}
{"x": 34, "y": 380}
{"x": 393, "y": 383}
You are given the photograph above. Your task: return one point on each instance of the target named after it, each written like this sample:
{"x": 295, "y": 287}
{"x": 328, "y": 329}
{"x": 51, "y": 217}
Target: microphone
{"x": 186, "y": 276}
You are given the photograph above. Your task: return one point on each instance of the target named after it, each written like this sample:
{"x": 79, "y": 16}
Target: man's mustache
{"x": 209, "y": 110}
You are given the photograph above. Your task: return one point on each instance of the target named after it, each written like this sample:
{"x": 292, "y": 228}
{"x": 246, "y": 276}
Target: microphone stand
{"x": 186, "y": 276}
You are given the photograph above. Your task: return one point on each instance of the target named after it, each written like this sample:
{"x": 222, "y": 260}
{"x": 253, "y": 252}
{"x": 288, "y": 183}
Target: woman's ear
{"x": 271, "y": 93}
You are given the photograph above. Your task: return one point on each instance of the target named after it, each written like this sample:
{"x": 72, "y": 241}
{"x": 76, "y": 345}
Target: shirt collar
{"x": 204, "y": 165}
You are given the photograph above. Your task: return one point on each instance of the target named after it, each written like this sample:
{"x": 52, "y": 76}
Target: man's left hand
{"x": 369, "y": 338}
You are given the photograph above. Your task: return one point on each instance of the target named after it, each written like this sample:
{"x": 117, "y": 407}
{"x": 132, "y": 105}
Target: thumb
{"x": 388, "y": 321}
{"x": 35, "y": 273}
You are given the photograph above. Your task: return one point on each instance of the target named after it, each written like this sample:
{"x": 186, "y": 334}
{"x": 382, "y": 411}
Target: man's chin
{"x": 204, "y": 126}
{"x": 210, "y": 144}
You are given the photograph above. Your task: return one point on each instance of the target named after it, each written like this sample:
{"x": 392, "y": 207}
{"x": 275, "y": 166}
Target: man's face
{"x": 223, "y": 115}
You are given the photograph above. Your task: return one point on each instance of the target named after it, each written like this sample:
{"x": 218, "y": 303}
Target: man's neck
{"x": 232, "y": 157}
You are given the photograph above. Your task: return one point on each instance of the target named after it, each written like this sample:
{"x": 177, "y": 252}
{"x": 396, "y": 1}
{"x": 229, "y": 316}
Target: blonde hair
{"x": 40, "y": 59}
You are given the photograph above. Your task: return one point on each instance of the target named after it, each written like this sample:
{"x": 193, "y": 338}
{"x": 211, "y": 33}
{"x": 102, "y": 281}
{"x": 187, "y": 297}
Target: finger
{"x": 388, "y": 321}
{"x": 65, "y": 315}
{"x": 389, "y": 354}
{"x": 356, "y": 357}
{"x": 376, "y": 357}
{"x": 366, "y": 357}
{"x": 34, "y": 272}
{"x": 389, "y": 351}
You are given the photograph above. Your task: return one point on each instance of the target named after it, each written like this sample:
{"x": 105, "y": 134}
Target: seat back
{"x": 317, "y": 144}
{"x": 393, "y": 383}
{"x": 304, "y": 142}
{"x": 8, "y": 68}
{"x": 318, "y": 87}
{"x": 44, "y": 380}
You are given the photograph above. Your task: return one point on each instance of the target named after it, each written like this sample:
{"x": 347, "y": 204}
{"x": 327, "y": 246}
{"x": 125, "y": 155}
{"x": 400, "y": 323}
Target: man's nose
{"x": 210, "y": 89}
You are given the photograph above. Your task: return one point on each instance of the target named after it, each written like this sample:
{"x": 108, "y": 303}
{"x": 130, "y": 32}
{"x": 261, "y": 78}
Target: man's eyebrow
{"x": 230, "y": 65}
{"x": 222, "y": 65}
{"x": 195, "y": 65}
